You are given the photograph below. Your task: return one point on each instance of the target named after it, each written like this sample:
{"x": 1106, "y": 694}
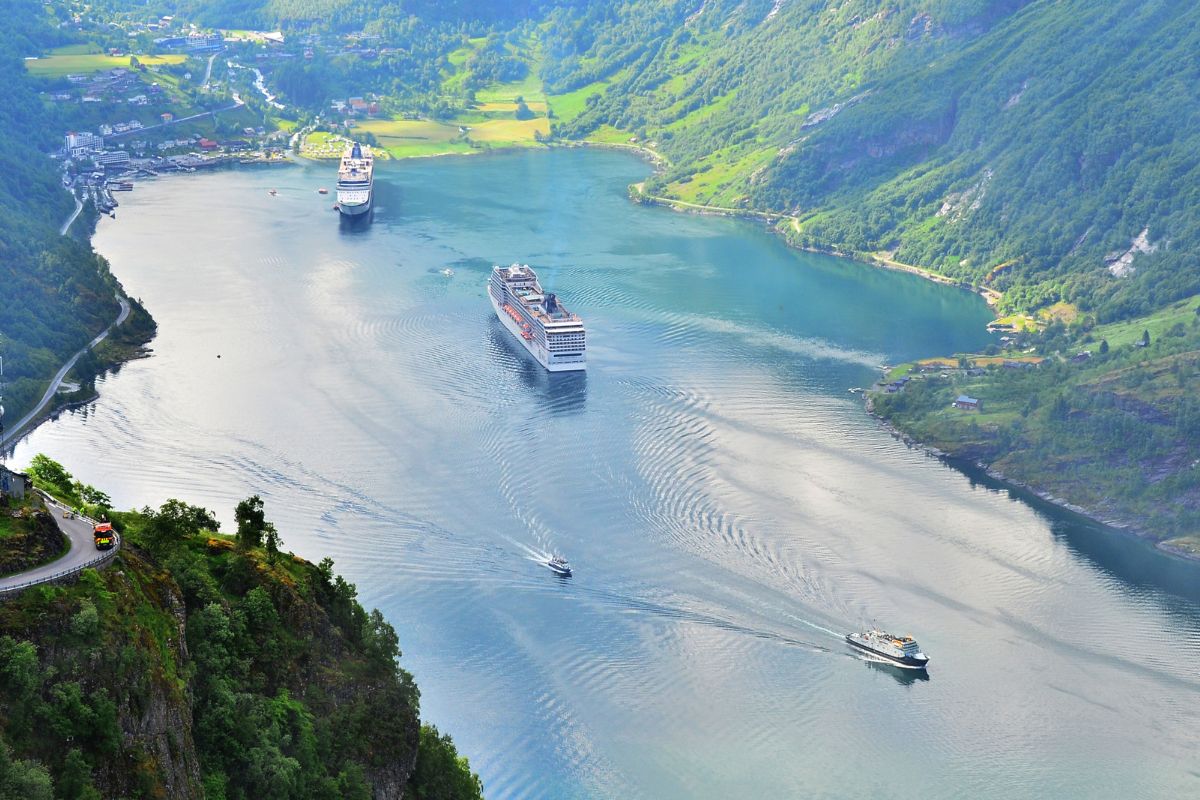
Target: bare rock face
{"x": 154, "y": 713}
{"x": 158, "y": 740}
{"x": 104, "y": 675}
{"x": 1120, "y": 264}
{"x": 163, "y": 730}
{"x": 388, "y": 781}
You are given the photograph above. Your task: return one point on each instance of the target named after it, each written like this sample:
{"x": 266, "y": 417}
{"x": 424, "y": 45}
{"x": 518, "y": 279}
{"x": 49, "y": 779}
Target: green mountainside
{"x": 1110, "y": 424}
{"x": 55, "y": 292}
{"x": 1045, "y": 149}
{"x": 206, "y": 666}
{"x": 1022, "y": 146}
{"x": 1047, "y": 152}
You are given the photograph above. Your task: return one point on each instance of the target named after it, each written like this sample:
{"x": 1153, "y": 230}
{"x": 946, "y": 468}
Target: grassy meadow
{"x": 74, "y": 60}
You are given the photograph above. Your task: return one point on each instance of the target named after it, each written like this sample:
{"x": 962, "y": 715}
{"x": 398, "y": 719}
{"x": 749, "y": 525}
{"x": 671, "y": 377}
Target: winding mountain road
{"x": 81, "y": 553}
{"x": 208, "y": 70}
{"x": 12, "y": 433}
{"x": 66, "y": 226}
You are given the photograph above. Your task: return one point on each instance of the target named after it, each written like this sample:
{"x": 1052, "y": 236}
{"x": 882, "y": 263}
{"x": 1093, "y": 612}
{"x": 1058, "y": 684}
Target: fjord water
{"x": 729, "y": 508}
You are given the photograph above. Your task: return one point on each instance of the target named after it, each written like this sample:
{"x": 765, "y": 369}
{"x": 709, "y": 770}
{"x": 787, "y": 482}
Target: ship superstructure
{"x": 551, "y": 333}
{"x": 355, "y": 180}
{"x": 903, "y": 651}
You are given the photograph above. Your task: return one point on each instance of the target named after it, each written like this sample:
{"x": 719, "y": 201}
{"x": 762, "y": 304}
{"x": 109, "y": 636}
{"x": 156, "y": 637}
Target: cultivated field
{"x": 60, "y": 64}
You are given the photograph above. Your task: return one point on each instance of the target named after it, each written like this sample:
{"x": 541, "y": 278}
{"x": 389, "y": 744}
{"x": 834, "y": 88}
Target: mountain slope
{"x": 205, "y": 666}
{"x": 1010, "y": 144}
{"x": 55, "y": 293}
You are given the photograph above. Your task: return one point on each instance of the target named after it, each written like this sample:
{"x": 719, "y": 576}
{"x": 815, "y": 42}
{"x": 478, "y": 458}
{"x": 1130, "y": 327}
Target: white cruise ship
{"x": 355, "y": 180}
{"x": 551, "y": 334}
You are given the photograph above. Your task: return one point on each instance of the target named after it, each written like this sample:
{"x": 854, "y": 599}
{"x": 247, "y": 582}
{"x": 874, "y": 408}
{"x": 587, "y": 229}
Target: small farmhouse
{"x": 966, "y": 403}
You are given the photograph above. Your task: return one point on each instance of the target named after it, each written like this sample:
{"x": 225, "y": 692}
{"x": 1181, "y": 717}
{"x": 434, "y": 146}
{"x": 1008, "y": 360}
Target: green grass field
{"x": 403, "y": 138}
{"x": 509, "y": 109}
{"x": 397, "y": 138}
{"x": 1158, "y": 323}
{"x": 570, "y": 105}
{"x": 607, "y": 134}
{"x": 509, "y": 132}
{"x": 58, "y": 65}
{"x": 720, "y": 182}
{"x": 530, "y": 88}
{"x": 702, "y": 113}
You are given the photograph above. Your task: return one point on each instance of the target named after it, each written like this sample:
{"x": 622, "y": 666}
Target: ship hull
{"x": 905, "y": 662}
{"x": 354, "y": 209}
{"x": 532, "y": 347}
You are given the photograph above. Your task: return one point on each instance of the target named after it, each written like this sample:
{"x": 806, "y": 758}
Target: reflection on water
{"x": 904, "y": 677}
{"x": 1122, "y": 556}
{"x": 728, "y": 507}
{"x": 558, "y": 392}
{"x": 357, "y": 224}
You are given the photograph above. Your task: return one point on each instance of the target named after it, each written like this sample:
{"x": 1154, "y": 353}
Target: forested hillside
{"x": 206, "y": 666}
{"x": 55, "y": 293}
{"x": 342, "y": 14}
{"x": 1025, "y": 146}
{"x": 1044, "y": 149}
{"x": 1111, "y": 424}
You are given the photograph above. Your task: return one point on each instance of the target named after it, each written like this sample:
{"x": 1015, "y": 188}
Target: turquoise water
{"x": 728, "y": 507}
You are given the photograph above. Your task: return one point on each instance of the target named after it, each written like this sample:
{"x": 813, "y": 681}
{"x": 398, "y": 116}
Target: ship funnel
{"x": 357, "y": 151}
{"x": 551, "y": 303}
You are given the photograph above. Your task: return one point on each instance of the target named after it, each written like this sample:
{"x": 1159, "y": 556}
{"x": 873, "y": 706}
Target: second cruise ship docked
{"x": 551, "y": 333}
{"x": 355, "y": 180}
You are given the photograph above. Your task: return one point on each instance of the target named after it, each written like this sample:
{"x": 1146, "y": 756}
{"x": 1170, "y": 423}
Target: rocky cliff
{"x": 203, "y": 666}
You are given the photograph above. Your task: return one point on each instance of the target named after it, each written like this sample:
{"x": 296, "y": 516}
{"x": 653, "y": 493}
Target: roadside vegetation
{"x": 55, "y": 293}
{"x": 28, "y": 537}
{"x": 208, "y": 665}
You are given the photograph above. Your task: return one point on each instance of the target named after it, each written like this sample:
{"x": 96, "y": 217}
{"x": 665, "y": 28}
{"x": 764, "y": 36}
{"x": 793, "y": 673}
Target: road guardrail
{"x": 75, "y": 570}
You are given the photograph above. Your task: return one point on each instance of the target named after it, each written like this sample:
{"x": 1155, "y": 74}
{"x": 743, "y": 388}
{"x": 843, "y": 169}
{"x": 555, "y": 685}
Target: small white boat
{"x": 559, "y": 566}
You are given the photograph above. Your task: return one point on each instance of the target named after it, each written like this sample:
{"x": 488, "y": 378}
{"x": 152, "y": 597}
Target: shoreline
{"x": 638, "y": 194}
{"x": 1126, "y": 528}
{"x": 49, "y": 405}
{"x": 991, "y": 297}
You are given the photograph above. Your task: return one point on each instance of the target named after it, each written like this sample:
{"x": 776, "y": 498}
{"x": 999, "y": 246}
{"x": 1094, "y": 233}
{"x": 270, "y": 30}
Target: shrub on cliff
{"x": 197, "y": 667}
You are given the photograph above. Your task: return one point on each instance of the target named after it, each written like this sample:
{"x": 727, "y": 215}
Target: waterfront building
{"x": 80, "y": 144}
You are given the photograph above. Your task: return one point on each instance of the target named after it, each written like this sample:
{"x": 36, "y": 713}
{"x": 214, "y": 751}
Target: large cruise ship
{"x": 355, "y": 180}
{"x": 903, "y": 651}
{"x": 551, "y": 334}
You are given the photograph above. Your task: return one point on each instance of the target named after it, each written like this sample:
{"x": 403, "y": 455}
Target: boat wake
{"x": 534, "y": 554}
